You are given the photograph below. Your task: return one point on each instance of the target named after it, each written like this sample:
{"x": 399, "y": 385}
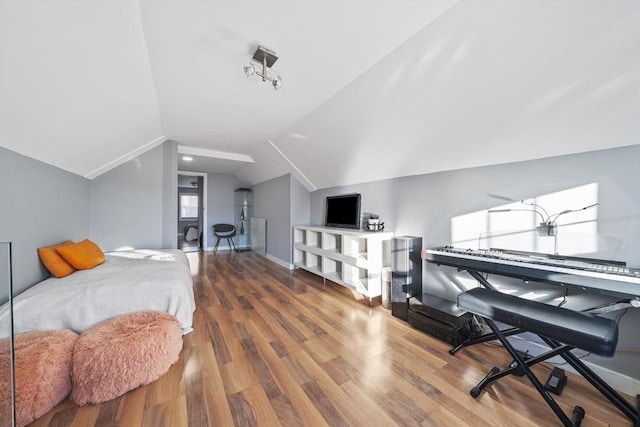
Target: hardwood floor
{"x": 272, "y": 348}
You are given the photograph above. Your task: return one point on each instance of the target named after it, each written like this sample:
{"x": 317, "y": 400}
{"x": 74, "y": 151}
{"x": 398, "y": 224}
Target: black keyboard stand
{"x": 495, "y": 373}
{"x": 556, "y": 348}
{"x": 484, "y": 338}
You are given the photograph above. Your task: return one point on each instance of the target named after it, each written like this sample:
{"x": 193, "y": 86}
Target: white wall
{"x": 488, "y": 82}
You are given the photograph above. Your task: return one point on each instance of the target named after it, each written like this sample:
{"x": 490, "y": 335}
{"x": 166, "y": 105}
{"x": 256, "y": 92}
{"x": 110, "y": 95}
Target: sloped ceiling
{"x": 76, "y": 89}
{"x": 486, "y": 83}
{"x": 372, "y": 89}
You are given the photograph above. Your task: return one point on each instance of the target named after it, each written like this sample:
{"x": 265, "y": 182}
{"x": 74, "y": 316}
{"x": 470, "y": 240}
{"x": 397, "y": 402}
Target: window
{"x": 188, "y": 206}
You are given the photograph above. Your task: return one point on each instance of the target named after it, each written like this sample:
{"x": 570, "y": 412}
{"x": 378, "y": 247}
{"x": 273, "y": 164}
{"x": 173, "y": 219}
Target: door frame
{"x": 204, "y": 205}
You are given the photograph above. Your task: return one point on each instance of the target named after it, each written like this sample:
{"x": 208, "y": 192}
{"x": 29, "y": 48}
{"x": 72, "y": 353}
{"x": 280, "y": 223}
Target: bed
{"x": 126, "y": 282}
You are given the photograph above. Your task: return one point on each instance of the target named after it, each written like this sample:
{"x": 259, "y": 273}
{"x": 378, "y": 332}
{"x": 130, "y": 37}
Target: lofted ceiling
{"x": 372, "y": 89}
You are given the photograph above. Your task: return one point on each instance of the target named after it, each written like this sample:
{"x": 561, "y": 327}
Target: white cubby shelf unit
{"x": 351, "y": 258}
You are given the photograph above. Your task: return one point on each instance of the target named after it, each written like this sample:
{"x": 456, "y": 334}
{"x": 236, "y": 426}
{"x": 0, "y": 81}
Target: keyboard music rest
{"x": 542, "y": 269}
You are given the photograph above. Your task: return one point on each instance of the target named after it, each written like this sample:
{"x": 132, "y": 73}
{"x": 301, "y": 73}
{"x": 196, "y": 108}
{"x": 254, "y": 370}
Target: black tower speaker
{"x": 406, "y": 273}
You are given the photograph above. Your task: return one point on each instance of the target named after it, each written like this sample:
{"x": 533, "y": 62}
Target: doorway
{"x": 192, "y": 203}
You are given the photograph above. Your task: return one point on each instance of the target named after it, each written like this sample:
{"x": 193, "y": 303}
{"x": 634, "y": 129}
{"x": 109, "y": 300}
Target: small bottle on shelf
{"x": 242, "y": 228}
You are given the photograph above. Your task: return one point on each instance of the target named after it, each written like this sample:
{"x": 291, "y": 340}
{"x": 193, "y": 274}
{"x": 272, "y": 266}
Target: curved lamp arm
{"x": 519, "y": 210}
{"x": 553, "y": 218}
{"x": 526, "y": 202}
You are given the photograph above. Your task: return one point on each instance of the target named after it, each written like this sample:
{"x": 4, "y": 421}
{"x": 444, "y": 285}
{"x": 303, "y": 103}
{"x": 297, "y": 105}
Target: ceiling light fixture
{"x": 187, "y": 158}
{"x": 266, "y": 58}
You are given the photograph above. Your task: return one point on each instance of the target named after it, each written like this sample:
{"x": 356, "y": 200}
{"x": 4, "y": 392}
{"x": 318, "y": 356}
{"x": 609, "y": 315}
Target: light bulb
{"x": 249, "y": 70}
{"x": 277, "y": 82}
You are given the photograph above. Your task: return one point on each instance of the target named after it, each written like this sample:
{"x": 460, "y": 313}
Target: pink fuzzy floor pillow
{"x": 124, "y": 353}
{"x": 43, "y": 372}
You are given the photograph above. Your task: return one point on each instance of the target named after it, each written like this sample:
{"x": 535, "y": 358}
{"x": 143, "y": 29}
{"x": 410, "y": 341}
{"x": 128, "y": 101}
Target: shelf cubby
{"x": 312, "y": 238}
{"x": 298, "y": 256}
{"x": 298, "y": 236}
{"x": 354, "y": 246}
{"x": 351, "y": 258}
{"x": 313, "y": 262}
{"x": 356, "y": 277}
{"x": 332, "y": 242}
{"x": 331, "y": 267}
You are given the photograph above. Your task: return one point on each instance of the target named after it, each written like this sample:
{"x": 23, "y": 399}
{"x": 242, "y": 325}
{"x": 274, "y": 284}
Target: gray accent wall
{"x": 220, "y": 203}
{"x": 169, "y": 201}
{"x": 272, "y": 200}
{"x": 40, "y": 205}
{"x": 134, "y": 205}
{"x": 424, "y": 205}
{"x": 300, "y": 208}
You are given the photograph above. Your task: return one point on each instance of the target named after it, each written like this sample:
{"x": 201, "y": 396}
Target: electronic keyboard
{"x": 591, "y": 275}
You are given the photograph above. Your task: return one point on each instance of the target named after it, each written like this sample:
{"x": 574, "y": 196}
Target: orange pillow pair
{"x": 56, "y": 265}
{"x": 63, "y": 259}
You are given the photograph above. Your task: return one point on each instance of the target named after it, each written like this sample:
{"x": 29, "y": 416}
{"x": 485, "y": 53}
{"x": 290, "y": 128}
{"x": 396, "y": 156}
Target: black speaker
{"x": 406, "y": 273}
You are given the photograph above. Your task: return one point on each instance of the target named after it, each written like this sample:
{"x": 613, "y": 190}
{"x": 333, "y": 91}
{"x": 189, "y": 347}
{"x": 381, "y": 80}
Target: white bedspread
{"x": 126, "y": 282}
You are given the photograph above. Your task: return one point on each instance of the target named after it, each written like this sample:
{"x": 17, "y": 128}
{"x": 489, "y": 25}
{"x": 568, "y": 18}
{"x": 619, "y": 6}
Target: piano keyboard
{"x": 590, "y": 275}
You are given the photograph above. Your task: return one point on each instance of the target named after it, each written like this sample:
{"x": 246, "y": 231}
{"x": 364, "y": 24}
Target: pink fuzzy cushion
{"x": 123, "y": 353}
{"x": 43, "y": 372}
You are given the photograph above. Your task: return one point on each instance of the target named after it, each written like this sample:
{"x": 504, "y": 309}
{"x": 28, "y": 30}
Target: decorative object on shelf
{"x": 373, "y": 223}
{"x": 266, "y": 58}
{"x": 549, "y": 225}
{"x": 243, "y": 213}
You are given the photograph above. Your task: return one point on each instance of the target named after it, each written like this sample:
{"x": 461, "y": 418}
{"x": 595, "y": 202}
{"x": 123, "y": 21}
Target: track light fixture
{"x": 266, "y": 58}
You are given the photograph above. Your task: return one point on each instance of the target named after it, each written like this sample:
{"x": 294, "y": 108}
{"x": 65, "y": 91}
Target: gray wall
{"x": 272, "y": 200}
{"x": 40, "y": 205}
{"x": 132, "y": 204}
{"x": 424, "y": 206}
{"x": 300, "y": 208}
{"x": 220, "y": 203}
{"x": 169, "y": 201}
{"x": 5, "y": 280}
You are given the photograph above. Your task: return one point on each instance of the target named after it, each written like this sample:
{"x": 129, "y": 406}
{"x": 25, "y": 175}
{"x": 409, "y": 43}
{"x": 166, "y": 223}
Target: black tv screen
{"x": 343, "y": 211}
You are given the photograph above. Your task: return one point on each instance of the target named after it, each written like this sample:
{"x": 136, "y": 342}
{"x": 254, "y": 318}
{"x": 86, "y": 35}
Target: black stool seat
{"x": 224, "y": 231}
{"x": 580, "y": 330}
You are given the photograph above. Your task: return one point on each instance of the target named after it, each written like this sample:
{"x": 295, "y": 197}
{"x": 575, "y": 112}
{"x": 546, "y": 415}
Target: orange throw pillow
{"x": 82, "y": 255}
{"x": 56, "y": 265}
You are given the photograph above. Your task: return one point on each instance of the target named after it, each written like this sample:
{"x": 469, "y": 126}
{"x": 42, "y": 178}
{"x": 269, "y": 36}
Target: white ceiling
{"x": 372, "y": 89}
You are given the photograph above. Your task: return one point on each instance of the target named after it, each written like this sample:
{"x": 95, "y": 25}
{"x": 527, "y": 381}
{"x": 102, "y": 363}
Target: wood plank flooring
{"x": 274, "y": 348}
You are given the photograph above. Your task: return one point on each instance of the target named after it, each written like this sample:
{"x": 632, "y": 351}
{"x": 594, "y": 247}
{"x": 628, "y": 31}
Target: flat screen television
{"x": 343, "y": 211}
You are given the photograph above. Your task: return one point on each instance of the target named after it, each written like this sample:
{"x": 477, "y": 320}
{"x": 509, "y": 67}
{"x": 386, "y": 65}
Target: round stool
{"x": 123, "y": 353}
{"x": 42, "y": 369}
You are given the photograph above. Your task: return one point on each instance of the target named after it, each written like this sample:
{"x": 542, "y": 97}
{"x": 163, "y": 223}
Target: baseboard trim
{"x": 280, "y": 262}
{"x": 220, "y": 248}
{"x": 269, "y": 257}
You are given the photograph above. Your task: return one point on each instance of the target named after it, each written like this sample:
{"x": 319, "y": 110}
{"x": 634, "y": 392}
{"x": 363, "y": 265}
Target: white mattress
{"x": 126, "y": 282}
